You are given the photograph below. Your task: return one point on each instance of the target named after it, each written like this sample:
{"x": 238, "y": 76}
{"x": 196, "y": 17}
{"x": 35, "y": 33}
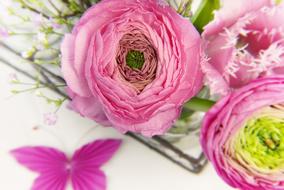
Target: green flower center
{"x": 260, "y": 143}
{"x": 135, "y": 59}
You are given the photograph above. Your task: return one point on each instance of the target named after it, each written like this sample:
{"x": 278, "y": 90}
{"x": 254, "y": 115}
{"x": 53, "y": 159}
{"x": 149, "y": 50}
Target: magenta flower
{"x": 244, "y": 42}
{"x": 132, "y": 64}
{"x": 55, "y": 169}
{"x": 243, "y": 136}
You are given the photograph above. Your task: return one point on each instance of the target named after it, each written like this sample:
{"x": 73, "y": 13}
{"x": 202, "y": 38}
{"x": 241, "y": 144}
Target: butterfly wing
{"x": 86, "y": 161}
{"x": 48, "y": 162}
{"x": 88, "y": 179}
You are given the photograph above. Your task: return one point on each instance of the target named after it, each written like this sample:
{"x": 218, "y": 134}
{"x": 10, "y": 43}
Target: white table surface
{"x": 134, "y": 167}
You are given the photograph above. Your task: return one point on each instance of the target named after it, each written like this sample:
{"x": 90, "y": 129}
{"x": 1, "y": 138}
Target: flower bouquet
{"x": 153, "y": 68}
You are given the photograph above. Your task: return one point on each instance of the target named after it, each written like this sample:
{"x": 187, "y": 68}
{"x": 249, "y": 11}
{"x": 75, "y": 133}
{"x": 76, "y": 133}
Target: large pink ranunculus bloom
{"x": 132, "y": 64}
{"x": 244, "y": 42}
{"x": 243, "y": 136}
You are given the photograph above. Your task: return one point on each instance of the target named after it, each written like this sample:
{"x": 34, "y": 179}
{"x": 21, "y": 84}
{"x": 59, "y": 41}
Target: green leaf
{"x": 199, "y": 104}
{"x": 204, "y": 13}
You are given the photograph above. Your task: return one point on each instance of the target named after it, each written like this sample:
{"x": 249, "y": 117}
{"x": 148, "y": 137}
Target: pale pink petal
{"x": 89, "y": 178}
{"x": 88, "y": 107}
{"x": 171, "y": 45}
{"x": 86, "y": 162}
{"x": 48, "y": 162}
{"x": 40, "y": 159}
{"x": 50, "y": 118}
{"x": 95, "y": 154}
{"x": 214, "y": 80}
{"x": 230, "y": 11}
{"x": 74, "y": 80}
{"x": 224, "y": 120}
{"x": 158, "y": 124}
{"x": 51, "y": 181}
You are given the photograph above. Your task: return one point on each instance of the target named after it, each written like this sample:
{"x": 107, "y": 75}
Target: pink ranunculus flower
{"x": 243, "y": 135}
{"x": 244, "y": 42}
{"x": 132, "y": 64}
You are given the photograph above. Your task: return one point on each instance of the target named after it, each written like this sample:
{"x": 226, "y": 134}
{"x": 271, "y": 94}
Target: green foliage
{"x": 74, "y": 6}
{"x": 204, "y": 13}
{"x": 199, "y": 104}
{"x": 184, "y": 8}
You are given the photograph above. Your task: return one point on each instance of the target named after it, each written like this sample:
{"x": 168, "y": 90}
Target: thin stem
{"x": 58, "y": 108}
{"x": 81, "y": 2}
{"x": 57, "y": 77}
{"x": 87, "y": 3}
{"x": 28, "y": 7}
{"x": 20, "y": 70}
{"x": 24, "y": 33}
{"x": 184, "y": 8}
{"x": 23, "y": 83}
{"x": 199, "y": 104}
{"x": 49, "y": 82}
{"x": 36, "y": 79}
{"x": 54, "y": 7}
{"x": 65, "y": 1}
{"x": 57, "y": 33}
{"x": 44, "y": 85}
{"x": 32, "y": 9}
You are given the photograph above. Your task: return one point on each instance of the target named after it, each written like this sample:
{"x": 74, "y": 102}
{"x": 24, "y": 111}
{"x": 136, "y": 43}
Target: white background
{"x": 134, "y": 167}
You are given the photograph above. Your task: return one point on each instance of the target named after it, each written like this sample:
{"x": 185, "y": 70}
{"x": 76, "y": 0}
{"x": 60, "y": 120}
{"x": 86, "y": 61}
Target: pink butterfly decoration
{"x": 55, "y": 169}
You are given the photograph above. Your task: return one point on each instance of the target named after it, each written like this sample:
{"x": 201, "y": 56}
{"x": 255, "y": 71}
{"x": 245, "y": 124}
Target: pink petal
{"x": 74, "y": 79}
{"x": 95, "y": 154}
{"x": 52, "y": 181}
{"x": 158, "y": 124}
{"x": 86, "y": 162}
{"x": 40, "y": 159}
{"x": 230, "y": 12}
{"x": 88, "y": 107}
{"x": 89, "y": 179}
{"x": 48, "y": 162}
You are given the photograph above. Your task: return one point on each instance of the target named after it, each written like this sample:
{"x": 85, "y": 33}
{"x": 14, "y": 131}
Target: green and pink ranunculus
{"x": 132, "y": 64}
{"x": 243, "y": 136}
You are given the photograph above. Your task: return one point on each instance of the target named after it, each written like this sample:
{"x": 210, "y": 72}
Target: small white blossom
{"x": 13, "y": 78}
{"x": 50, "y": 118}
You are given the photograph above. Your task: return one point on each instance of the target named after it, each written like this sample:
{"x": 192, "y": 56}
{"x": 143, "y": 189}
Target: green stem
{"x": 204, "y": 13}
{"x": 54, "y": 7}
{"x": 199, "y": 104}
{"x": 184, "y": 8}
{"x": 19, "y": 33}
{"x": 35, "y": 88}
{"x": 58, "y": 33}
{"x": 26, "y": 6}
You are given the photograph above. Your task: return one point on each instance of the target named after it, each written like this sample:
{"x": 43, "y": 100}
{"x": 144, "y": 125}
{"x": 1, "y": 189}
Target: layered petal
{"x": 243, "y": 134}
{"x": 245, "y": 42}
{"x": 146, "y": 98}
